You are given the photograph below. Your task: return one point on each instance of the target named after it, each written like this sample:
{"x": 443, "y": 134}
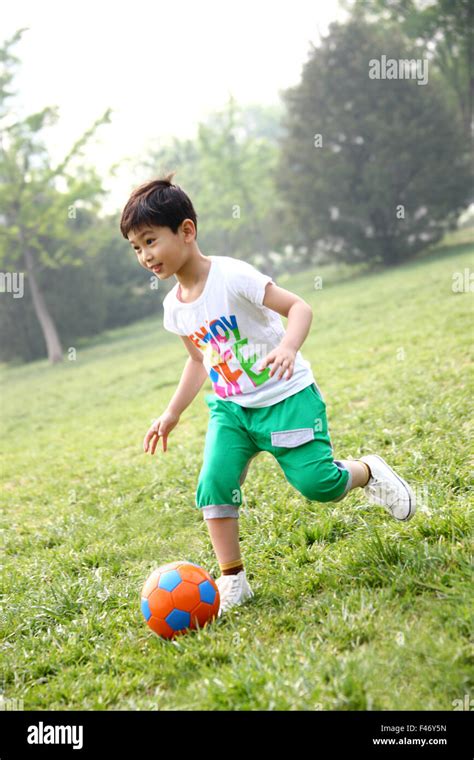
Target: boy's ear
{"x": 188, "y": 228}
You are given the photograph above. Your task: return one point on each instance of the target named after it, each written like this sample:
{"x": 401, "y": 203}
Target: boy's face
{"x": 158, "y": 249}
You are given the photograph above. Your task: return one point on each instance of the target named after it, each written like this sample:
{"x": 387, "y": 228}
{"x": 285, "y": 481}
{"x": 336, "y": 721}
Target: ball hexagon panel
{"x": 186, "y": 596}
{"x": 160, "y": 603}
{"x": 192, "y": 573}
{"x": 203, "y": 613}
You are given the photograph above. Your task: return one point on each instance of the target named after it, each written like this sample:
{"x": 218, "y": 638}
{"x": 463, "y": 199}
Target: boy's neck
{"x": 194, "y": 271}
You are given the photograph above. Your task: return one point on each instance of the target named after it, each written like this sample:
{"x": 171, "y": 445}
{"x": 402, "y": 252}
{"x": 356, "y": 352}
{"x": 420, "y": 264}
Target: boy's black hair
{"x": 158, "y": 203}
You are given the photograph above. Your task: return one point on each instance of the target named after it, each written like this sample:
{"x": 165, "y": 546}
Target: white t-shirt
{"x": 235, "y": 331}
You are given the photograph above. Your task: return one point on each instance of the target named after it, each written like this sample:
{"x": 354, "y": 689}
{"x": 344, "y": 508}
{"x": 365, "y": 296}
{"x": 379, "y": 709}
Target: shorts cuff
{"x": 219, "y": 510}
{"x": 342, "y": 466}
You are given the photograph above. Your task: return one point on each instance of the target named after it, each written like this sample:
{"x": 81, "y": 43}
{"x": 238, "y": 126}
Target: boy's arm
{"x": 300, "y": 316}
{"x": 192, "y": 379}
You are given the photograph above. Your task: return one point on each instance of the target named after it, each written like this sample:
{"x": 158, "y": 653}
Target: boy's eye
{"x": 150, "y": 240}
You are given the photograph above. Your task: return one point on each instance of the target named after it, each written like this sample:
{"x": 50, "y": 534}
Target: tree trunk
{"x": 50, "y": 334}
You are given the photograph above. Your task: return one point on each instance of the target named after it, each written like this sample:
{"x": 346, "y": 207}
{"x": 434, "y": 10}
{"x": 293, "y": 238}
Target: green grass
{"x": 352, "y": 610}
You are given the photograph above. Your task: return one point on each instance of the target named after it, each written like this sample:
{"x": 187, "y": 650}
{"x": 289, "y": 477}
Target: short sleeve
{"x": 168, "y": 322}
{"x": 245, "y": 280}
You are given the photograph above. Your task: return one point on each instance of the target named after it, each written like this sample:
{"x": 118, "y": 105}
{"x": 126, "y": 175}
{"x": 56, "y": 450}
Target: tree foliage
{"x": 446, "y": 29}
{"x": 372, "y": 169}
{"x": 228, "y": 171}
{"x": 45, "y": 209}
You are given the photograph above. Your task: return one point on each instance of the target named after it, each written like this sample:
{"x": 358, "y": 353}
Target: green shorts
{"x": 294, "y": 430}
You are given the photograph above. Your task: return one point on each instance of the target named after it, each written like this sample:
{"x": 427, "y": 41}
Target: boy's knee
{"x": 331, "y": 489}
{"x": 314, "y": 492}
{"x": 332, "y": 483}
{"x": 216, "y": 497}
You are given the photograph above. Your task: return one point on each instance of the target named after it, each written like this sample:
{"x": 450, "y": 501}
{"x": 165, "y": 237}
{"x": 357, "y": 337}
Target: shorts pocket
{"x": 291, "y": 438}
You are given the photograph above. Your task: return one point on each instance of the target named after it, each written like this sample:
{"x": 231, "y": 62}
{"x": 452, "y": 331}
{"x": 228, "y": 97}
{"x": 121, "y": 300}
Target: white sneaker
{"x": 388, "y": 489}
{"x": 233, "y": 589}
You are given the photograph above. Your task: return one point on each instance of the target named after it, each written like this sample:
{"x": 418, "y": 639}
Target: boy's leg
{"x": 233, "y": 586}
{"x": 299, "y": 434}
{"x": 360, "y": 472}
{"x": 382, "y": 485}
{"x": 224, "y": 533}
{"x": 227, "y": 453}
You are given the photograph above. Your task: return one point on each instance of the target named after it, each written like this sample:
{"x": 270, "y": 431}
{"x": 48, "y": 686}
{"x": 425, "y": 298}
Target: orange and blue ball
{"x": 179, "y": 597}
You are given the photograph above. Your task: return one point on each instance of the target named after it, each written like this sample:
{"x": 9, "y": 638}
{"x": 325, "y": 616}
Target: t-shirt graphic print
{"x": 235, "y": 331}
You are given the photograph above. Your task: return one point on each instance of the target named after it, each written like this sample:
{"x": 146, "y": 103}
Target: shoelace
{"x": 387, "y": 487}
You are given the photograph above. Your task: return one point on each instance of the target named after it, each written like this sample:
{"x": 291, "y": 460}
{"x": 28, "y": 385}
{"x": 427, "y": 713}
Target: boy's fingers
{"x": 268, "y": 360}
{"x": 154, "y": 436}
{"x": 275, "y": 367}
{"x": 155, "y": 441}
{"x": 285, "y": 368}
{"x": 147, "y": 439}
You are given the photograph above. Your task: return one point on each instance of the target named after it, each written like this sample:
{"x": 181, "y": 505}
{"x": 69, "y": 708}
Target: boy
{"x": 265, "y": 397}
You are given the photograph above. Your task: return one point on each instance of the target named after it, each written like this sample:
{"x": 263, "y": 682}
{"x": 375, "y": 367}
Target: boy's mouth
{"x": 157, "y": 268}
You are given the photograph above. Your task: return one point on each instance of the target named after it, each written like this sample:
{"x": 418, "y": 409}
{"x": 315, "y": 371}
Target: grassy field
{"x": 352, "y": 610}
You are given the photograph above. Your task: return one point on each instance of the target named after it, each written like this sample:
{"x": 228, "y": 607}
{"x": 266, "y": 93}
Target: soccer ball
{"x": 178, "y": 597}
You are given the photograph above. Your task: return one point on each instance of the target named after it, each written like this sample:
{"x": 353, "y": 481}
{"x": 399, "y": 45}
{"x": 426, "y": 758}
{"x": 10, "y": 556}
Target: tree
{"x": 374, "y": 168}
{"x": 446, "y": 29}
{"x": 41, "y": 227}
{"x": 228, "y": 171}
{"x": 85, "y": 296}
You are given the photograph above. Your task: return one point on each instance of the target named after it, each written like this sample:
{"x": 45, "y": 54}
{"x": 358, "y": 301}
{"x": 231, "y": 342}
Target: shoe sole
{"x": 411, "y": 495}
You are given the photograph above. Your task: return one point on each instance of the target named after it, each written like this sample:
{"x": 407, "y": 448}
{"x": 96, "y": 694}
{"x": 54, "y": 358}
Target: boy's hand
{"x": 283, "y": 358}
{"x": 161, "y": 427}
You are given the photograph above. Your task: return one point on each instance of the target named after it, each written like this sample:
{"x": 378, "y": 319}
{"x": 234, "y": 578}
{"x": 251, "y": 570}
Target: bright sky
{"x": 161, "y": 66}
